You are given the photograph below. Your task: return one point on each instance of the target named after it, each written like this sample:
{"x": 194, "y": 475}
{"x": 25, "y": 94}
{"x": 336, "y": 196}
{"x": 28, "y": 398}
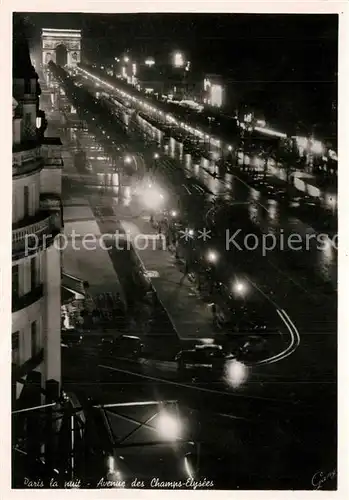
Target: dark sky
{"x": 298, "y": 50}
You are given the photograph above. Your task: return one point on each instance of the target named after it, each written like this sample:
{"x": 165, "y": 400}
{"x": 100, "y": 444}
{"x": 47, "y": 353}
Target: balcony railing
{"x": 39, "y": 230}
{"x": 26, "y": 159}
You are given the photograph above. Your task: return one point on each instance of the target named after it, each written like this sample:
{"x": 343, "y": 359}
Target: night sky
{"x": 283, "y": 65}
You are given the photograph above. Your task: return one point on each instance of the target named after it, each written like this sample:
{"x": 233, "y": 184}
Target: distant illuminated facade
{"x": 61, "y": 46}
{"x": 213, "y": 91}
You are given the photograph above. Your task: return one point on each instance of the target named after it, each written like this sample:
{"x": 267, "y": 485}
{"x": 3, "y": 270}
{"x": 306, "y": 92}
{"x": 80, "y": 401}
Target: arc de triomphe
{"x": 53, "y": 38}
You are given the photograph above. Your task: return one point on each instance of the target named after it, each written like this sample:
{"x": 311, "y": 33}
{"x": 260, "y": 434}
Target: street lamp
{"x": 149, "y": 62}
{"x": 236, "y": 373}
{"x": 156, "y": 156}
{"x": 173, "y": 213}
{"x": 127, "y": 160}
{"x": 212, "y": 257}
{"x": 239, "y": 287}
{"x": 168, "y": 426}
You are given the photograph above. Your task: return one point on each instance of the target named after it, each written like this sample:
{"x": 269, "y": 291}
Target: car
{"x": 240, "y": 320}
{"x": 71, "y": 338}
{"x": 201, "y": 357}
{"x": 253, "y": 349}
{"x": 269, "y": 190}
{"x": 128, "y": 346}
{"x": 281, "y": 194}
{"x": 105, "y": 343}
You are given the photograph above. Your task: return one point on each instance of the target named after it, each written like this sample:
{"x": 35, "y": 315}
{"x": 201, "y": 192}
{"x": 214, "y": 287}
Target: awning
{"x": 68, "y": 295}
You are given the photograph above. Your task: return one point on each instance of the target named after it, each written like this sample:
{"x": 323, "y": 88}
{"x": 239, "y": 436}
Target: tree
{"x": 288, "y": 157}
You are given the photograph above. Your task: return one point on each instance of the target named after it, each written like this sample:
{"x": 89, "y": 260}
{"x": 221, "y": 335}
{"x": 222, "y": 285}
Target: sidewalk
{"x": 92, "y": 266}
{"x": 190, "y": 316}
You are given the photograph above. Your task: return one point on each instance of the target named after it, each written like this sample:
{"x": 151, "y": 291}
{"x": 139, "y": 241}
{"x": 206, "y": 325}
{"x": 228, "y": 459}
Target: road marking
{"x": 291, "y": 327}
{"x": 187, "y": 386}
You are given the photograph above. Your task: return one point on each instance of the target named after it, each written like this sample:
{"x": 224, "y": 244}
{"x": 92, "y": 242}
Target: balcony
{"x": 51, "y": 152}
{"x": 26, "y": 158}
{"x": 23, "y": 301}
{"x": 34, "y": 233}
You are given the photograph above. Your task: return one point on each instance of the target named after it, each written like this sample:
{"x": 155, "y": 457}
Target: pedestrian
{"x": 186, "y": 271}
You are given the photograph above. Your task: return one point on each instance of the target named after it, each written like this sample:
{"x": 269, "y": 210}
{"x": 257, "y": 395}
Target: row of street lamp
{"x": 239, "y": 287}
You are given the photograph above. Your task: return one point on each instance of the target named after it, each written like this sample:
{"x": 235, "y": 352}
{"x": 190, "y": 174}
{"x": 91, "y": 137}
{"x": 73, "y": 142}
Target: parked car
{"x": 71, "y": 338}
{"x": 128, "y": 346}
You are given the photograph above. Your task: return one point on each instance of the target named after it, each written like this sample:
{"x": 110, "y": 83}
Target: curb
{"x": 161, "y": 365}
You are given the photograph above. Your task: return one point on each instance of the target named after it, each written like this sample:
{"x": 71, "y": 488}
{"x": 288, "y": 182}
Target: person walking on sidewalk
{"x": 185, "y": 274}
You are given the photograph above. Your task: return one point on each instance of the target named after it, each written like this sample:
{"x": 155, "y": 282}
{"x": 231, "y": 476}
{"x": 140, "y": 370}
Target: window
{"x": 34, "y": 338}
{"x": 28, "y": 126}
{"x": 15, "y": 281}
{"x": 15, "y": 348}
{"x": 33, "y": 273}
{"x": 26, "y": 200}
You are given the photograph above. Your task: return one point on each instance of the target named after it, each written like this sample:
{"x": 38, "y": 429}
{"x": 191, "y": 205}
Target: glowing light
{"x": 191, "y": 232}
{"x": 261, "y": 123}
{"x": 331, "y": 201}
{"x": 317, "y": 147}
{"x": 302, "y": 142}
{"x": 111, "y": 464}
{"x": 152, "y": 197}
{"x": 235, "y": 373}
{"x": 268, "y": 131}
{"x": 174, "y": 213}
{"x": 126, "y": 59}
{"x": 332, "y": 154}
{"x": 207, "y": 84}
{"x": 156, "y": 156}
{"x": 38, "y": 122}
{"x": 123, "y": 72}
{"x": 149, "y": 62}
{"x": 248, "y": 118}
{"x": 128, "y": 159}
{"x": 230, "y": 148}
{"x": 239, "y": 287}
{"x": 134, "y": 69}
{"x": 168, "y": 426}
{"x": 178, "y": 60}
{"x": 212, "y": 256}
